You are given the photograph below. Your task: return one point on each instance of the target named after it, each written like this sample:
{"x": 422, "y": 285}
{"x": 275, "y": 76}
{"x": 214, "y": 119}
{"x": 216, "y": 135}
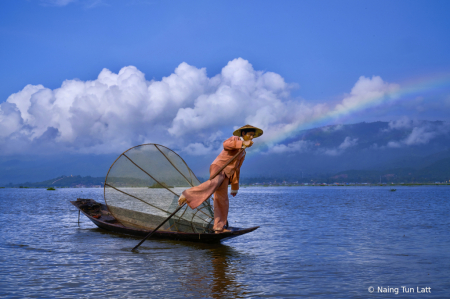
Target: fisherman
{"x": 195, "y": 196}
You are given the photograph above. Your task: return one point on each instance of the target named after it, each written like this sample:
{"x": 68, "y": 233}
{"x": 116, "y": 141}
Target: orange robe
{"x": 195, "y": 196}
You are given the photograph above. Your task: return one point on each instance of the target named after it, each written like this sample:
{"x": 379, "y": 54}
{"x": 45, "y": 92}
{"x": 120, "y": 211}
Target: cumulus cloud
{"x": 347, "y": 143}
{"x": 104, "y": 115}
{"x": 366, "y": 92}
{"x": 187, "y": 111}
{"x": 116, "y": 111}
{"x": 240, "y": 93}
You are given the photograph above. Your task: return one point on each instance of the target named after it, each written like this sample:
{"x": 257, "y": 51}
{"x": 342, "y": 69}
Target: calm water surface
{"x": 328, "y": 242}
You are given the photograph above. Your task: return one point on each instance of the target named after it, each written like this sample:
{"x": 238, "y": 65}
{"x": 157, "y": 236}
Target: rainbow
{"x": 429, "y": 86}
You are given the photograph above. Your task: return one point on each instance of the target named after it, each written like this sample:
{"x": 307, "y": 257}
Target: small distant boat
{"x": 392, "y": 190}
{"x": 99, "y": 214}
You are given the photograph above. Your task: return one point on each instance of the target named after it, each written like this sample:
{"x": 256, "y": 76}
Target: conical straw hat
{"x": 258, "y": 131}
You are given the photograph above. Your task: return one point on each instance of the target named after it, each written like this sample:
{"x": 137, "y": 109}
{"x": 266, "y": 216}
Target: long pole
{"x": 154, "y": 231}
{"x": 179, "y": 208}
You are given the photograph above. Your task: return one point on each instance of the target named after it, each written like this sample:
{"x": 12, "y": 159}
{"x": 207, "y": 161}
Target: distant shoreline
{"x": 266, "y": 186}
{"x": 352, "y": 185}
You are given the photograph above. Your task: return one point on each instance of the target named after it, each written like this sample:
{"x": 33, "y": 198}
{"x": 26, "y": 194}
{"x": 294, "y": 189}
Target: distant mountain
{"x": 65, "y": 181}
{"x": 437, "y": 172}
{"x": 374, "y": 146}
{"x": 373, "y": 149}
{"x": 17, "y": 169}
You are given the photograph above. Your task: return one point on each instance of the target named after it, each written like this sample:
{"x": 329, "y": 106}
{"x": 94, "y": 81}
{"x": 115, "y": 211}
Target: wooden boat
{"x": 99, "y": 214}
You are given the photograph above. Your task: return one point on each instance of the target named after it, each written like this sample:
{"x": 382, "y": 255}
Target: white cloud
{"x": 347, "y": 143}
{"x": 332, "y": 128}
{"x": 332, "y": 152}
{"x": 186, "y": 110}
{"x": 402, "y": 123}
{"x": 420, "y": 135}
{"x": 394, "y": 144}
{"x": 239, "y": 95}
{"x": 366, "y": 92}
{"x": 116, "y": 111}
{"x": 10, "y": 119}
{"x": 297, "y": 147}
{"x": 421, "y": 132}
{"x": 197, "y": 149}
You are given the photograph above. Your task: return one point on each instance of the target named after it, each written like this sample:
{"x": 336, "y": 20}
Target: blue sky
{"x": 170, "y": 65}
{"x": 323, "y": 46}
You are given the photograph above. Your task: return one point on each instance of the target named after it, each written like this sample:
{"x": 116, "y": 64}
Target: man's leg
{"x": 195, "y": 196}
{"x": 221, "y": 205}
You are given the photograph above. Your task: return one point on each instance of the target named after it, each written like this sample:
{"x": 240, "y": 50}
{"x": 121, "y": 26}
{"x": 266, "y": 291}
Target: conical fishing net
{"x": 142, "y": 189}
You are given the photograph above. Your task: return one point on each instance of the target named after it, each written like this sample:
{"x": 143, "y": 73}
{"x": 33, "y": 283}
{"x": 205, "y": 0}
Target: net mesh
{"x": 142, "y": 189}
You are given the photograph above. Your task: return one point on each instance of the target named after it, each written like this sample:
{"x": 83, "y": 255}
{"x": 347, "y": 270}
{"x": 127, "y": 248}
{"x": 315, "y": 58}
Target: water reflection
{"x": 213, "y": 271}
{"x": 224, "y": 259}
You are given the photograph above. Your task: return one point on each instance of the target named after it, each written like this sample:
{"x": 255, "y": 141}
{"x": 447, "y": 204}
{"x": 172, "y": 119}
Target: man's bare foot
{"x": 222, "y": 231}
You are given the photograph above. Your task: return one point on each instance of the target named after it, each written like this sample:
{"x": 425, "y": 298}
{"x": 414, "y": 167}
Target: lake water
{"x": 326, "y": 242}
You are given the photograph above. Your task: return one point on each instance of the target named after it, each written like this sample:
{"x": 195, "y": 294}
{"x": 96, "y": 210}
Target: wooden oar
{"x": 179, "y": 208}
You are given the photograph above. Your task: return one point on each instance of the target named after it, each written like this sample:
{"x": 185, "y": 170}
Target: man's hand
{"x": 181, "y": 200}
{"x": 247, "y": 143}
{"x": 233, "y": 192}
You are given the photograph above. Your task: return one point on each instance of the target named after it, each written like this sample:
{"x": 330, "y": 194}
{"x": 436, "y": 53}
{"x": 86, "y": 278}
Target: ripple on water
{"x": 313, "y": 241}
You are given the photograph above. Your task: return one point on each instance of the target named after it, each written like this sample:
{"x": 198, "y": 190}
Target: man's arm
{"x": 232, "y": 143}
